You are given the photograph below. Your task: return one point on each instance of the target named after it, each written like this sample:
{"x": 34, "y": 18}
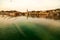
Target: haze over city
{"x": 23, "y": 5}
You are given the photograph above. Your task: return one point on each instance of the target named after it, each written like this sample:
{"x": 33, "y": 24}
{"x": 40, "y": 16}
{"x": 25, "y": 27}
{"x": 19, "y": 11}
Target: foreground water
{"x": 21, "y": 28}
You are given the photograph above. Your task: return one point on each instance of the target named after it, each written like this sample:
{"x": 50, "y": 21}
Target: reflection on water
{"x": 21, "y": 28}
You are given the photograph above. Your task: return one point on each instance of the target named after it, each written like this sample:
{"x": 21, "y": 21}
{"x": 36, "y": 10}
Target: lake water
{"x": 23, "y": 28}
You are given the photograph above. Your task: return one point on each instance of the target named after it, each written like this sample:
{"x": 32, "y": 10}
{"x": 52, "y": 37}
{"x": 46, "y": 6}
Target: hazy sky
{"x": 23, "y": 5}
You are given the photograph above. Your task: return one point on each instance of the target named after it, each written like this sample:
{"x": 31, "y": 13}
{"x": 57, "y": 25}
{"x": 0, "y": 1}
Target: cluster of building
{"x": 52, "y": 14}
{"x": 11, "y": 13}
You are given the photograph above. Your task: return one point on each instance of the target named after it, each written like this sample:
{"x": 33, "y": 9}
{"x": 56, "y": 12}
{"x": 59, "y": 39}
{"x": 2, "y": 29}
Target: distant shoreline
{"x": 51, "y": 14}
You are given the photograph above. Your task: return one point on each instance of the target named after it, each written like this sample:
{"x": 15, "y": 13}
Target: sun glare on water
{"x": 15, "y": 20}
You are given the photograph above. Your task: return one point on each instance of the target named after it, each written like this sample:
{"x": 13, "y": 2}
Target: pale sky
{"x": 23, "y": 5}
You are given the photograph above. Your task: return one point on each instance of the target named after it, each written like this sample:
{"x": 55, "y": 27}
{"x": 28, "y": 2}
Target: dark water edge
{"x": 29, "y": 31}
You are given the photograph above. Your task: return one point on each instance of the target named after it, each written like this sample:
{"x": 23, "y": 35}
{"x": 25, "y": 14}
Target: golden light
{"x": 23, "y": 5}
